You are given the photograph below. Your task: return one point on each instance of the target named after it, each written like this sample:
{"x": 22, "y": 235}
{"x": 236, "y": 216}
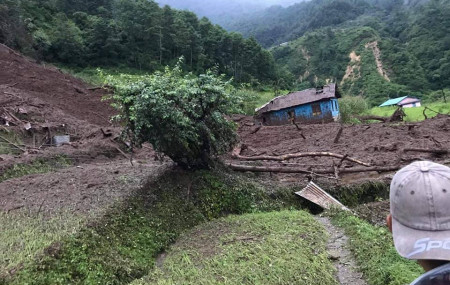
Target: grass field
{"x": 285, "y": 247}
{"x": 414, "y": 114}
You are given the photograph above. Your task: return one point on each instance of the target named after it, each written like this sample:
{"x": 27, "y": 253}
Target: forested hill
{"x": 226, "y": 12}
{"x": 377, "y": 48}
{"x": 278, "y": 24}
{"x": 131, "y": 33}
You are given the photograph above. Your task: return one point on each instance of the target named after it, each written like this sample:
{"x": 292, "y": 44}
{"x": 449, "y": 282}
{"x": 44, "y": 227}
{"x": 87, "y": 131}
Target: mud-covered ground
{"x": 56, "y": 103}
{"x": 378, "y": 144}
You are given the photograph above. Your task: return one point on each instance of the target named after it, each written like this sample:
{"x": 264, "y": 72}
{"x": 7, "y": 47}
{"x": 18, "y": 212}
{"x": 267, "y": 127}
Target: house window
{"x": 316, "y": 109}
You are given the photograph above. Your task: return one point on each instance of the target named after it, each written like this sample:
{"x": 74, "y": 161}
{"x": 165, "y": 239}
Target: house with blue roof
{"x": 405, "y": 102}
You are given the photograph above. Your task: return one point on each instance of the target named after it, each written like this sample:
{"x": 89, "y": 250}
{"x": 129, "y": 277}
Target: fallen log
{"x": 277, "y": 169}
{"x": 374, "y": 118}
{"x": 299, "y": 129}
{"x": 237, "y": 150}
{"x": 297, "y": 155}
{"x": 105, "y": 87}
{"x": 338, "y": 135}
{"x": 397, "y": 116}
{"x": 435, "y": 151}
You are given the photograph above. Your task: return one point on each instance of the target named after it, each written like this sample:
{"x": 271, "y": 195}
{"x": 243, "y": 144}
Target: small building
{"x": 316, "y": 105}
{"x": 405, "y": 102}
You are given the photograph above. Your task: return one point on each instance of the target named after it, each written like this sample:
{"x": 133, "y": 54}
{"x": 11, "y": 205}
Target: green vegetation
{"x": 409, "y": 51}
{"x": 277, "y": 24}
{"x": 285, "y": 247}
{"x": 96, "y": 76}
{"x": 123, "y": 244}
{"x": 190, "y": 108}
{"x": 252, "y": 99}
{"x": 6, "y": 147}
{"x": 24, "y": 235}
{"x": 354, "y": 195}
{"x": 131, "y": 34}
{"x": 349, "y": 107}
{"x": 414, "y": 114}
{"x": 37, "y": 166}
{"x": 375, "y": 252}
{"x": 413, "y": 50}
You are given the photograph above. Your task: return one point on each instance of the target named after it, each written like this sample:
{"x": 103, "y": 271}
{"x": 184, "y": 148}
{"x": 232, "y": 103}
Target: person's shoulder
{"x": 437, "y": 276}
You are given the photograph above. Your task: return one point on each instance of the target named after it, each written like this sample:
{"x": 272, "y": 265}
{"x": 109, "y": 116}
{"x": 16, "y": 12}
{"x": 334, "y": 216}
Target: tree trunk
{"x": 280, "y": 169}
{"x": 297, "y": 155}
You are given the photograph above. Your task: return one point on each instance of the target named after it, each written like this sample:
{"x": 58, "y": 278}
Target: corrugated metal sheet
{"x": 400, "y": 101}
{"x": 299, "y": 98}
{"x": 318, "y": 196}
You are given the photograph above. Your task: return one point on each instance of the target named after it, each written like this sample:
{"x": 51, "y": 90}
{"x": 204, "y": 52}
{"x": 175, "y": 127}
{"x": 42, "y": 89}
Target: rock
{"x": 334, "y": 255}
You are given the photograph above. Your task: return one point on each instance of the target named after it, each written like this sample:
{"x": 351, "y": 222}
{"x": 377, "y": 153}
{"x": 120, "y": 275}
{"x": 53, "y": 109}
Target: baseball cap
{"x": 420, "y": 209}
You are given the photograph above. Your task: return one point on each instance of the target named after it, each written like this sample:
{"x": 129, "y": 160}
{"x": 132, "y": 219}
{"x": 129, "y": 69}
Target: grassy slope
{"x": 375, "y": 252}
{"x": 413, "y": 114}
{"x": 123, "y": 244}
{"x": 285, "y": 247}
{"x": 24, "y": 235}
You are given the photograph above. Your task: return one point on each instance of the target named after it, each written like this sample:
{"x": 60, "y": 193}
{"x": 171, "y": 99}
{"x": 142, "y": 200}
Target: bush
{"x": 350, "y": 106}
{"x": 250, "y": 100}
{"x": 182, "y": 116}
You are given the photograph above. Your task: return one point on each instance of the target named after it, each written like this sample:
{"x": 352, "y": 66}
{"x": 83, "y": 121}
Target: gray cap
{"x": 420, "y": 209}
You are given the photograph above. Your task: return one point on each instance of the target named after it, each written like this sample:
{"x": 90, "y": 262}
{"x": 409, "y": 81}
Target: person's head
{"x": 420, "y": 213}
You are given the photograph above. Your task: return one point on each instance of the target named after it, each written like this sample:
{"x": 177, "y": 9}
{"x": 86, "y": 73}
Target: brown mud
{"x": 378, "y": 144}
{"x": 55, "y": 103}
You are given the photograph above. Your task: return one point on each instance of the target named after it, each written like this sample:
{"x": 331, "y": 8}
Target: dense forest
{"x": 398, "y": 47}
{"x": 131, "y": 33}
{"x": 226, "y": 12}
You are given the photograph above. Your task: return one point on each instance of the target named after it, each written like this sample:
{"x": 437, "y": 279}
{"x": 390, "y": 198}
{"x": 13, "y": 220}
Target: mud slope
{"x": 22, "y": 79}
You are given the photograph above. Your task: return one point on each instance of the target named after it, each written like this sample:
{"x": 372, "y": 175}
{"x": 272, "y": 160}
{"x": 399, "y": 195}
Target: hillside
{"x": 82, "y": 213}
{"x": 224, "y": 12}
{"x": 379, "y": 49}
{"x": 135, "y": 34}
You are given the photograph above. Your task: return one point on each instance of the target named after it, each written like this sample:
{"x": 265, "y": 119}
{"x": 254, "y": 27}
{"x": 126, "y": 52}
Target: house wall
{"x": 412, "y": 105}
{"x": 408, "y": 101}
{"x": 329, "y": 110}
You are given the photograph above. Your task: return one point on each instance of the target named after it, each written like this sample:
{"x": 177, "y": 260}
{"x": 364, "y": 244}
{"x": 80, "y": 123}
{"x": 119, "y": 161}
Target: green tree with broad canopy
{"x": 182, "y": 116}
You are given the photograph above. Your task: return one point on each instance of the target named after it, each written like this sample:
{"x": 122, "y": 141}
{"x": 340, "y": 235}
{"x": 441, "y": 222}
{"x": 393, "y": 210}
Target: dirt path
{"x": 347, "y": 273}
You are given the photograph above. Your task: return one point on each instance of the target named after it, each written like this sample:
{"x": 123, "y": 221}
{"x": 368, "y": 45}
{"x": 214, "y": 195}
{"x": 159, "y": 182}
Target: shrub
{"x": 350, "y": 106}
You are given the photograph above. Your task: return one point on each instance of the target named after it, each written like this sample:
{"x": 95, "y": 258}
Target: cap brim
{"x": 418, "y": 244}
